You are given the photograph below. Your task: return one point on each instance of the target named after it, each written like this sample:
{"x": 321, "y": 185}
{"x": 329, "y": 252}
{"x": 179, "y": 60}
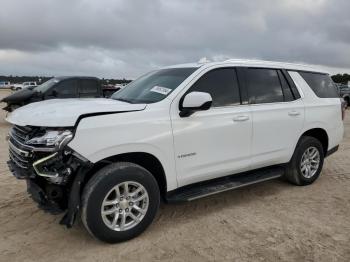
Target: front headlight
{"x": 52, "y": 138}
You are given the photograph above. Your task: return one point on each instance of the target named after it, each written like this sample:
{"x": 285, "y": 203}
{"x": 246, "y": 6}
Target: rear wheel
{"x": 119, "y": 202}
{"x": 306, "y": 163}
{"x": 347, "y": 102}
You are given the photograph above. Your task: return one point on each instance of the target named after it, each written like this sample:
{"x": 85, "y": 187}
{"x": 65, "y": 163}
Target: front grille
{"x": 21, "y": 133}
{"x": 21, "y": 154}
{"x": 20, "y": 161}
{"x": 18, "y": 152}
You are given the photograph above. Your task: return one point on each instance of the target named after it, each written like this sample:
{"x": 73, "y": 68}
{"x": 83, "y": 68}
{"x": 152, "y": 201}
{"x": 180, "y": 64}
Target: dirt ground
{"x": 272, "y": 221}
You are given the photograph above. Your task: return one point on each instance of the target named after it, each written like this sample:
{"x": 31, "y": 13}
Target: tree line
{"x": 341, "y": 78}
{"x": 42, "y": 79}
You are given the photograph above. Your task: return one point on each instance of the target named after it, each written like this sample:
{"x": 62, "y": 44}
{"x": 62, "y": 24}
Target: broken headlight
{"x": 52, "y": 138}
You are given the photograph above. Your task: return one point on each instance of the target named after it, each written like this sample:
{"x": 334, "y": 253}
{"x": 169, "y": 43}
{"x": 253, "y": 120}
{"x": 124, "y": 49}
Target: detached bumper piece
{"x": 74, "y": 198}
{"x": 41, "y": 197}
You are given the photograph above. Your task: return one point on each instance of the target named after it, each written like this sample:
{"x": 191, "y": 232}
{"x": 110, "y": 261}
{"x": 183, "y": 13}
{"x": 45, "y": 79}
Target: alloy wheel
{"x": 124, "y": 206}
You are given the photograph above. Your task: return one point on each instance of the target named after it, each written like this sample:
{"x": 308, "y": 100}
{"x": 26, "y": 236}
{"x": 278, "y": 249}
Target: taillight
{"x": 343, "y": 108}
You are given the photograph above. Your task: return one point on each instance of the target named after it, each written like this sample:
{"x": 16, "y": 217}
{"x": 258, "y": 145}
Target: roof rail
{"x": 266, "y": 61}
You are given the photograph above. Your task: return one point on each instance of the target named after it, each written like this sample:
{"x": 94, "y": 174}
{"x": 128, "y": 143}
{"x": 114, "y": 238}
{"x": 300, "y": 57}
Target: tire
{"x": 105, "y": 184}
{"x": 294, "y": 173}
{"x": 347, "y": 102}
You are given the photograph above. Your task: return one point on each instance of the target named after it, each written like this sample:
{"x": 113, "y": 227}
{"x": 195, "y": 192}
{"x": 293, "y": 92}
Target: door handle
{"x": 293, "y": 113}
{"x": 240, "y": 118}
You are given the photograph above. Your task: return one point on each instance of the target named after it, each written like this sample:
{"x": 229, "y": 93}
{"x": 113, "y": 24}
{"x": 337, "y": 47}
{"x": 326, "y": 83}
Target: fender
{"x": 168, "y": 164}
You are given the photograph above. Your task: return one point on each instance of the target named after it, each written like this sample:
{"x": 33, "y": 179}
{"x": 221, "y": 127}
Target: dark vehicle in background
{"x": 109, "y": 90}
{"x": 58, "y": 87}
{"x": 344, "y": 92}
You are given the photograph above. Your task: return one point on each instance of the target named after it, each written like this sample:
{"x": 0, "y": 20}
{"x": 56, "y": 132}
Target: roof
{"x": 80, "y": 77}
{"x": 254, "y": 63}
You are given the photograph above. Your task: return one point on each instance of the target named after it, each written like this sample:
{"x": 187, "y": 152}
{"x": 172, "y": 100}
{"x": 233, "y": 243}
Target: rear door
{"x": 89, "y": 88}
{"x": 278, "y": 115}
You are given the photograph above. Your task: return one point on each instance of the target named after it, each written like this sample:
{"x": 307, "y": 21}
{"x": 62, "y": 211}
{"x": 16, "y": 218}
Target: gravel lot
{"x": 272, "y": 221}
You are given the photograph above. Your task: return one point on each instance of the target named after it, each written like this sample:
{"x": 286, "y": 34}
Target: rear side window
{"x": 263, "y": 86}
{"x": 321, "y": 84}
{"x": 88, "y": 86}
{"x": 221, "y": 84}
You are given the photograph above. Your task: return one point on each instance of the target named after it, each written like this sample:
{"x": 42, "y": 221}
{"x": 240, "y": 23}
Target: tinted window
{"x": 321, "y": 84}
{"x": 263, "y": 86}
{"x": 154, "y": 86}
{"x": 67, "y": 87}
{"x": 46, "y": 85}
{"x": 221, "y": 84}
{"x": 88, "y": 86}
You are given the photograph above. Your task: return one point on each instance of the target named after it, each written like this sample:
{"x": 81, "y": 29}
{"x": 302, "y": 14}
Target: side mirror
{"x": 195, "y": 101}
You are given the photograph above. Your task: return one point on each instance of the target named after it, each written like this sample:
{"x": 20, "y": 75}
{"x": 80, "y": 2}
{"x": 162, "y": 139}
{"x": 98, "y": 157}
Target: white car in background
{"x": 5, "y": 84}
{"x": 24, "y": 85}
{"x": 178, "y": 134}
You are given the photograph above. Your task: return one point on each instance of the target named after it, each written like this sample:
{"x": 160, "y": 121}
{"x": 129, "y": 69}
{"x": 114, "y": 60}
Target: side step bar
{"x": 211, "y": 187}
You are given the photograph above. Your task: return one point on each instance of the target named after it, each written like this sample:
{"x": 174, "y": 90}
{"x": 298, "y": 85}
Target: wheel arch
{"x": 144, "y": 159}
{"x": 320, "y": 134}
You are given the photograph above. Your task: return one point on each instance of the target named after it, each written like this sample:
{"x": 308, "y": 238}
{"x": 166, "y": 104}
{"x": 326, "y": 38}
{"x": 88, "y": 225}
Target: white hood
{"x": 65, "y": 112}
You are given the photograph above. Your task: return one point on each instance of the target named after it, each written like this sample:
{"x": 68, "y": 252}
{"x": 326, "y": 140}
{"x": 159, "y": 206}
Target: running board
{"x": 207, "y": 188}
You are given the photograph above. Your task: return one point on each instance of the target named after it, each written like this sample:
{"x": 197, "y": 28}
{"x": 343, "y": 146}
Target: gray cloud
{"x": 115, "y": 38}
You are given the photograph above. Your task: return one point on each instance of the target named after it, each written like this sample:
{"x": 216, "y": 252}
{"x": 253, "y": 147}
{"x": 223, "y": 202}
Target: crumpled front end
{"x": 41, "y": 157}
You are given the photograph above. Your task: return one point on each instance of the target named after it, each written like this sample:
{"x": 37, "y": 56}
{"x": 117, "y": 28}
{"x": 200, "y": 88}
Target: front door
{"x": 64, "y": 89}
{"x": 216, "y": 142}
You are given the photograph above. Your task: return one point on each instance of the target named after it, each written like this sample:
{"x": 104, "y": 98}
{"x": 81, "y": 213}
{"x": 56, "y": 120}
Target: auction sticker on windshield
{"x": 161, "y": 90}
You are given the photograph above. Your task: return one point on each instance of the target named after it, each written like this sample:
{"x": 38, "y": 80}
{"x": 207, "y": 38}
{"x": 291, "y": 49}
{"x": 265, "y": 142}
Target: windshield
{"x": 47, "y": 85}
{"x": 154, "y": 86}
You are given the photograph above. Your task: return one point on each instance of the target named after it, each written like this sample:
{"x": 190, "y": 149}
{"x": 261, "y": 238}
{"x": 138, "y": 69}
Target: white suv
{"x": 178, "y": 134}
{"x": 24, "y": 85}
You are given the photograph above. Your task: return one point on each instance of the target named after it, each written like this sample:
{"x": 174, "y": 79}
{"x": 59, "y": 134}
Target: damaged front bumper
{"x": 54, "y": 178}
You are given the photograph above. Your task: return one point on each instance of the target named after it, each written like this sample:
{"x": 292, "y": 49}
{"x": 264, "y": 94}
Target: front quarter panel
{"x": 147, "y": 131}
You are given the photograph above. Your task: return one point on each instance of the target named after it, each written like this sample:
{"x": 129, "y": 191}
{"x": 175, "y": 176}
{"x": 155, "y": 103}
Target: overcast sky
{"x": 115, "y": 38}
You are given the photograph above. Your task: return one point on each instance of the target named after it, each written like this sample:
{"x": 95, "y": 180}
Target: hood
{"x": 19, "y": 96}
{"x": 65, "y": 112}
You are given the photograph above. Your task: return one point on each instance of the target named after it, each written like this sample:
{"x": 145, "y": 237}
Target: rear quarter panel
{"x": 322, "y": 113}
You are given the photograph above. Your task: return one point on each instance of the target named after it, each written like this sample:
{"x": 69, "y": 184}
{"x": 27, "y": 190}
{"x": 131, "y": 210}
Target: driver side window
{"x": 221, "y": 84}
{"x": 67, "y": 88}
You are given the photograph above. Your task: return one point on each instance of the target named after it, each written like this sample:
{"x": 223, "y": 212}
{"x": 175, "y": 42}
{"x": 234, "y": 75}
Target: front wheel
{"x": 119, "y": 202}
{"x": 307, "y": 162}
